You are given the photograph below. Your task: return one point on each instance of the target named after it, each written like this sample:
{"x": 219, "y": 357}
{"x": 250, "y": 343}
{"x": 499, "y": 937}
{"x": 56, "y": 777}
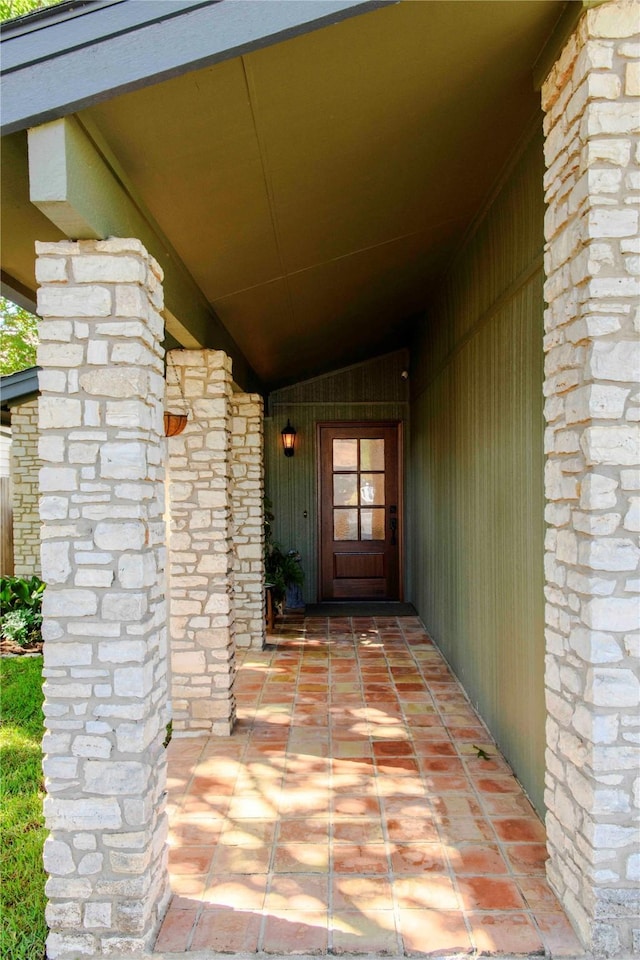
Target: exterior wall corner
{"x": 247, "y": 465}
{"x": 201, "y": 554}
{"x": 101, "y": 506}
{"x": 592, "y": 478}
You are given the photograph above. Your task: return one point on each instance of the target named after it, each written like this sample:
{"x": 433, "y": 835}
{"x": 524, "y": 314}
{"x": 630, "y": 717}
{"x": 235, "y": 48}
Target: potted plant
{"x": 283, "y": 572}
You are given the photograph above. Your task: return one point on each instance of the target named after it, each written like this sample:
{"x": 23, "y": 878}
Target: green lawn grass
{"x": 22, "y": 902}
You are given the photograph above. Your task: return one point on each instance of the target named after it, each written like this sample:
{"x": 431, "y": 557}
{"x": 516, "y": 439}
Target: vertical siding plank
{"x": 476, "y": 470}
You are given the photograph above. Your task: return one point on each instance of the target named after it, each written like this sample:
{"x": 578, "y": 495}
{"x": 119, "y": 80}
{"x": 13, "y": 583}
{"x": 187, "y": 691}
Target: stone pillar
{"x": 592, "y": 480}
{"x": 101, "y": 505}
{"x": 201, "y": 545}
{"x": 248, "y": 519}
{"x": 25, "y": 466}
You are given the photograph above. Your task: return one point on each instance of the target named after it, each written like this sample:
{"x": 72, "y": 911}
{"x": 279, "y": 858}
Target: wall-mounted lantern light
{"x": 288, "y": 439}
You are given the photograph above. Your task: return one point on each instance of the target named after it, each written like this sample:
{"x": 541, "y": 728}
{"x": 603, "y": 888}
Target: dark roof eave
{"x": 18, "y": 387}
{"x": 61, "y": 62}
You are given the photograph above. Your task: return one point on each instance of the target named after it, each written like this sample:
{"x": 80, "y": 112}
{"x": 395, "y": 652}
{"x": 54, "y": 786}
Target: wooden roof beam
{"x": 72, "y": 182}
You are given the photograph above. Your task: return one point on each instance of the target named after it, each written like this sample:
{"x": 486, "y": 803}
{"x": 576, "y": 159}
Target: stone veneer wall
{"x": 101, "y": 504}
{"x": 25, "y": 466}
{"x": 592, "y": 480}
{"x": 201, "y": 544}
{"x": 248, "y": 519}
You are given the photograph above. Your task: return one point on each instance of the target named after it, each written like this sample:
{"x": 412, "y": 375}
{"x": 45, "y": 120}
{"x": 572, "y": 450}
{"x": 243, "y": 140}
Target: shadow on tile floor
{"x": 351, "y": 812}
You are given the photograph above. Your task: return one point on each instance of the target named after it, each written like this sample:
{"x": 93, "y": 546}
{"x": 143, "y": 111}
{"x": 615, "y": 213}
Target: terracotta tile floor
{"x": 350, "y": 811}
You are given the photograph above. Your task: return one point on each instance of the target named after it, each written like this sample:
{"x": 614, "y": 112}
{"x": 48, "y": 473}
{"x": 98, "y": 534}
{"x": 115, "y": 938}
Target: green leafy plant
{"x": 20, "y": 609}
{"x": 281, "y": 569}
{"x": 269, "y": 517}
{"x": 21, "y": 626}
{"x": 168, "y": 734}
{"x": 18, "y": 336}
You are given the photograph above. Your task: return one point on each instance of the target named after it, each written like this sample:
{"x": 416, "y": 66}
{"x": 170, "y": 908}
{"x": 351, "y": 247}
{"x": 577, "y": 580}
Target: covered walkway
{"x": 360, "y": 807}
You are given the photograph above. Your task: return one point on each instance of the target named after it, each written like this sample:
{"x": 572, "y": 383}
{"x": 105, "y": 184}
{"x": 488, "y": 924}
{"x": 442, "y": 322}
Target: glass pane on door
{"x": 372, "y": 524}
{"x": 371, "y": 488}
{"x": 345, "y": 489}
{"x": 372, "y": 454}
{"x": 345, "y": 524}
{"x": 345, "y": 455}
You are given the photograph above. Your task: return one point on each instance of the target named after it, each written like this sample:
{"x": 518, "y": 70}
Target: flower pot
{"x": 174, "y": 423}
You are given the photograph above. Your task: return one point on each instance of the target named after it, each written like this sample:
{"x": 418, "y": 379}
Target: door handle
{"x": 394, "y": 528}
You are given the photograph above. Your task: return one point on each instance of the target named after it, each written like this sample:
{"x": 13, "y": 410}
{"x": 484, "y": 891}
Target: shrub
{"x": 20, "y": 606}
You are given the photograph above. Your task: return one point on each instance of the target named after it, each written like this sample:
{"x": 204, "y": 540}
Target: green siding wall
{"x": 367, "y": 391}
{"x": 475, "y": 488}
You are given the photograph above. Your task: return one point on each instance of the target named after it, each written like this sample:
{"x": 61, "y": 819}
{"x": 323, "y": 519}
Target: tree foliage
{"x": 18, "y": 327}
{"x": 16, "y": 8}
{"x": 18, "y": 338}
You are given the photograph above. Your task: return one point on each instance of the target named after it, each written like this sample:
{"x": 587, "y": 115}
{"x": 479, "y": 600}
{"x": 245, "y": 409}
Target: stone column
{"x": 201, "y": 545}
{"x": 25, "y": 467}
{"x": 248, "y": 519}
{"x": 101, "y": 505}
{"x": 592, "y": 480}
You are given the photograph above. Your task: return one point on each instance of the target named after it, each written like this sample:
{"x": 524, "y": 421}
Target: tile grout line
{"x": 486, "y": 816}
{"x": 445, "y": 846}
{"x": 270, "y": 873}
{"x": 384, "y": 829}
{"x": 331, "y": 863}
{"x": 187, "y": 788}
{"x": 274, "y": 845}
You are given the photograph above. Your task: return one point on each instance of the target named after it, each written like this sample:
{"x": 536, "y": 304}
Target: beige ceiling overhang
{"x": 313, "y": 191}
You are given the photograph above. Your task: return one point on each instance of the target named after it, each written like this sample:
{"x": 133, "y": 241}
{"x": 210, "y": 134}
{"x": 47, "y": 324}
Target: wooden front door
{"x": 360, "y": 511}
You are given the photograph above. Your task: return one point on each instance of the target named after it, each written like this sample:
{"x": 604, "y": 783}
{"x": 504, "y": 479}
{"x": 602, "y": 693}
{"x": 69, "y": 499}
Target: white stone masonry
{"x": 248, "y": 519}
{"x": 25, "y": 467}
{"x": 101, "y": 505}
{"x": 592, "y": 477}
{"x": 201, "y": 544}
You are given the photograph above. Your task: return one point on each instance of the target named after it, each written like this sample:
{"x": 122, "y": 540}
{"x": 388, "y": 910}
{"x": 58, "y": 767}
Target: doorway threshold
{"x": 363, "y": 608}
